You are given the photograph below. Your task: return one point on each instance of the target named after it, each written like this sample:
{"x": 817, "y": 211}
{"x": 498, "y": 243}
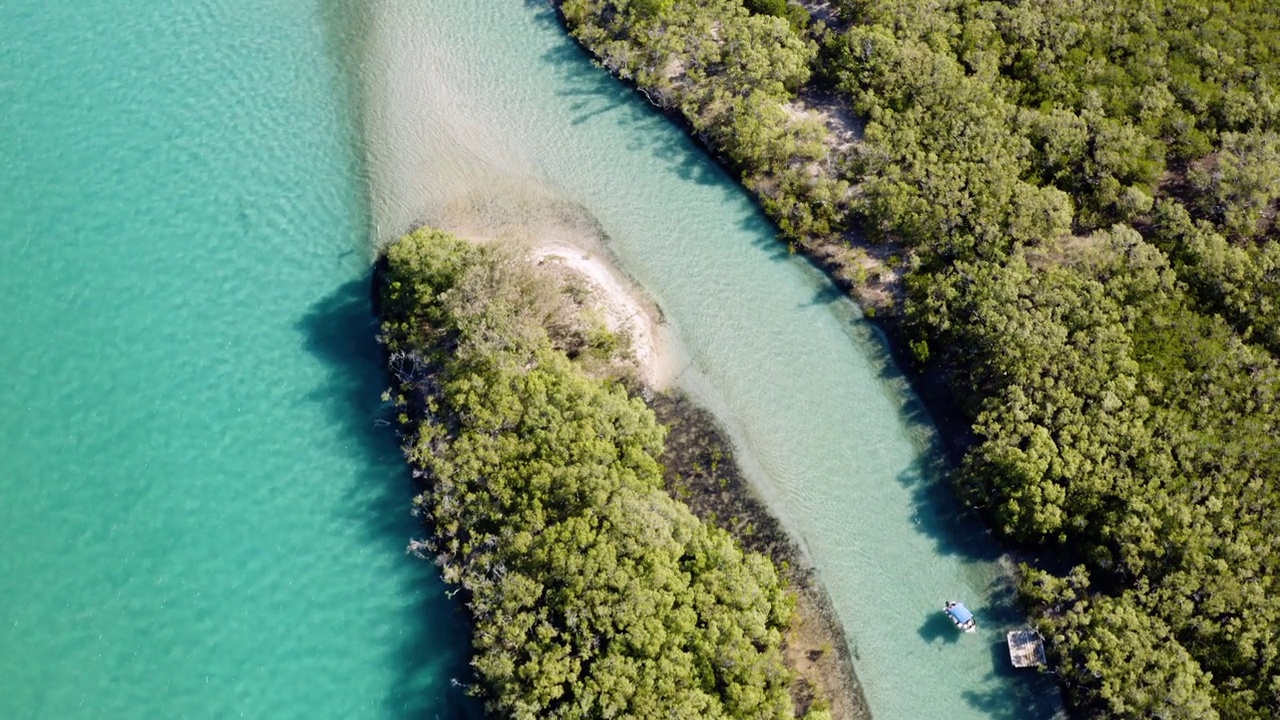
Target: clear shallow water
{"x": 199, "y": 518}
{"x": 482, "y": 117}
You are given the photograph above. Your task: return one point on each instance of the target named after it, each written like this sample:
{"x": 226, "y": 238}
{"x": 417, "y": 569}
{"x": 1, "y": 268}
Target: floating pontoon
{"x": 1026, "y": 648}
{"x": 961, "y": 616}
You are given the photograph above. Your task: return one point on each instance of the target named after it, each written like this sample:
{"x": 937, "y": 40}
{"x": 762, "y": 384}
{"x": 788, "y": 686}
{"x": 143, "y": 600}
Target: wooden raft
{"x": 1026, "y": 648}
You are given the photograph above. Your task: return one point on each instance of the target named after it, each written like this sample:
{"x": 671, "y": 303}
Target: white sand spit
{"x": 623, "y": 309}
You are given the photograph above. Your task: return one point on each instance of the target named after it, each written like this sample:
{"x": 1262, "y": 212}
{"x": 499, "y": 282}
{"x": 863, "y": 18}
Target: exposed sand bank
{"x": 625, "y": 308}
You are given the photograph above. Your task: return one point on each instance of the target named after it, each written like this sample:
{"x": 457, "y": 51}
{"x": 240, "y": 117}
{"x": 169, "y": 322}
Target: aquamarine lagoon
{"x": 201, "y": 517}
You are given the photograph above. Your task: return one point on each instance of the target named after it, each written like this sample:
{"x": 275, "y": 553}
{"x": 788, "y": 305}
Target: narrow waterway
{"x": 484, "y": 118}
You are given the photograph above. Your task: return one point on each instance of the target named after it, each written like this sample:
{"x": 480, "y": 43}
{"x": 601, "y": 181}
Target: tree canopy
{"x": 1082, "y": 201}
{"x": 594, "y": 594}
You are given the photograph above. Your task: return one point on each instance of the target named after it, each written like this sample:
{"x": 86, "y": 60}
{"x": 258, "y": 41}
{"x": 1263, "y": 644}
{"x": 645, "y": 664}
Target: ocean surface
{"x": 200, "y": 516}
{"x": 203, "y": 515}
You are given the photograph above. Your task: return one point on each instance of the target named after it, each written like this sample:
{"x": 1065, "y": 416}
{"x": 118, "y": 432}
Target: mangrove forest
{"x": 1067, "y": 212}
{"x": 593, "y": 592}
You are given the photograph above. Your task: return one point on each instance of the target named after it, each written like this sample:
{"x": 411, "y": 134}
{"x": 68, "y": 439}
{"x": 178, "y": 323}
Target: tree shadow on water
{"x": 1008, "y": 692}
{"x": 825, "y": 294}
{"x": 1005, "y": 692}
{"x": 592, "y": 91}
{"x": 433, "y": 646}
{"x": 588, "y": 94}
{"x": 1024, "y": 694}
{"x": 940, "y": 515}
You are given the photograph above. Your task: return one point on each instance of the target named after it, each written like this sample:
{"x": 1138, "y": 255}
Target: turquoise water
{"x": 482, "y": 117}
{"x": 199, "y": 519}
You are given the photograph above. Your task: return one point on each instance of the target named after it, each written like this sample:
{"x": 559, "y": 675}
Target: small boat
{"x": 961, "y": 616}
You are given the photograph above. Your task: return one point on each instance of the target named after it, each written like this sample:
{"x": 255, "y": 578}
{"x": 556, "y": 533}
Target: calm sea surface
{"x": 199, "y": 517}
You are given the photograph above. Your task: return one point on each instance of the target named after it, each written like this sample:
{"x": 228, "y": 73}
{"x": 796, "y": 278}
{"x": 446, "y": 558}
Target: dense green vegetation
{"x": 594, "y": 594}
{"x": 1081, "y": 203}
{"x": 728, "y": 71}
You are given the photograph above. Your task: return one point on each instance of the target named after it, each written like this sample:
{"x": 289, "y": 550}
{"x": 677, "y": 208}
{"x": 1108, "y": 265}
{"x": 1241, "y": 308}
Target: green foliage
{"x": 1117, "y": 417}
{"x": 649, "y": 9}
{"x": 428, "y": 264}
{"x": 1087, "y": 194}
{"x": 728, "y": 70}
{"x": 1241, "y": 282}
{"x": 767, "y": 7}
{"x": 1121, "y": 661}
{"x": 1123, "y": 427}
{"x": 1240, "y": 185}
{"x": 1105, "y": 95}
{"x": 793, "y": 13}
{"x": 594, "y": 594}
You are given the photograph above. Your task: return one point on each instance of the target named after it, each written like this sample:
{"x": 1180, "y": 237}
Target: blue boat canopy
{"x": 960, "y": 613}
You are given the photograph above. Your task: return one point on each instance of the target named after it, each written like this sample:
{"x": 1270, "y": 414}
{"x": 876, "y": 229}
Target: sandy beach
{"x": 624, "y": 306}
